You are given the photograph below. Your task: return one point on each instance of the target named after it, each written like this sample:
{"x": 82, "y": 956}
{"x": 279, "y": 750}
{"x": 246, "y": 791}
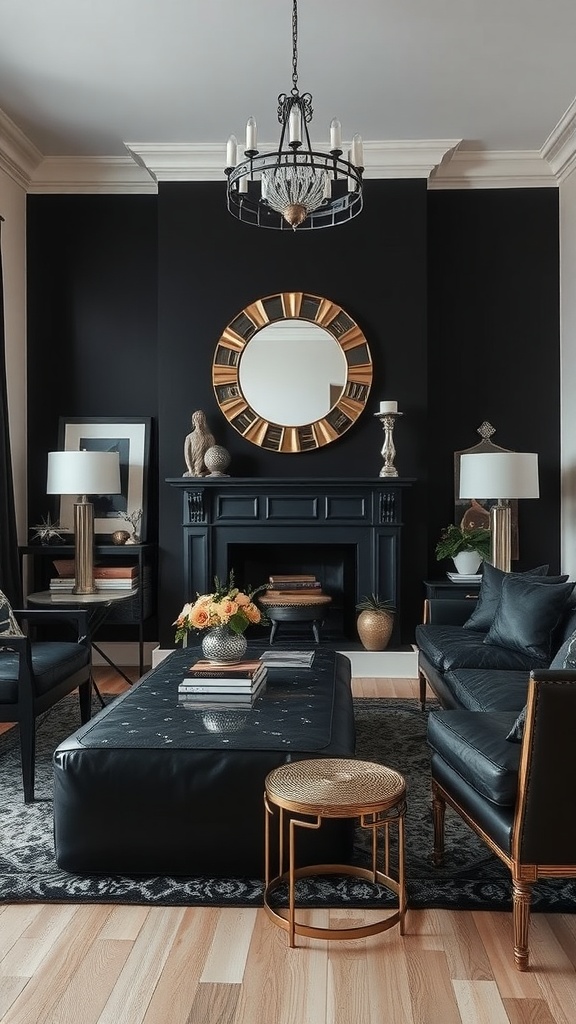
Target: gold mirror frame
{"x": 226, "y": 372}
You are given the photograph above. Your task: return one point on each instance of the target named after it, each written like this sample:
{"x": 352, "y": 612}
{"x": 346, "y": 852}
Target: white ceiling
{"x": 86, "y": 78}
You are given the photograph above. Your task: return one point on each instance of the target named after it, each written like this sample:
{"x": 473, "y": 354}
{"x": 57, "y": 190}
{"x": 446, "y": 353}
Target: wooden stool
{"x": 305, "y": 608}
{"x": 334, "y": 788}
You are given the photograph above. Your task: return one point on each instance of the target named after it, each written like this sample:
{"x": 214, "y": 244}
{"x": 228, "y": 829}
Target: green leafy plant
{"x": 373, "y": 603}
{"x": 454, "y": 539}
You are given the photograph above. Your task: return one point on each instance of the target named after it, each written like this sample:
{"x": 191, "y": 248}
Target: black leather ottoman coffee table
{"x": 153, "y": 787}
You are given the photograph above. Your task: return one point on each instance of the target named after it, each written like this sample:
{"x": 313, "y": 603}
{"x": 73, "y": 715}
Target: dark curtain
{"x": 10, "y": 581}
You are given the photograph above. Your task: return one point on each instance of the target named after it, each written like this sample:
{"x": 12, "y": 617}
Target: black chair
{"x": 518, "y": 797}
{"x": 36, "y": 673}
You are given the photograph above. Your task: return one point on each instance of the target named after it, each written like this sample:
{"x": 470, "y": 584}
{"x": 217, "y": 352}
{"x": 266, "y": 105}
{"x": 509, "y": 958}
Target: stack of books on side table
{"x": 293, "y": 585}
{"x": 106, "y": 577}
{"x": 206, "y": 683}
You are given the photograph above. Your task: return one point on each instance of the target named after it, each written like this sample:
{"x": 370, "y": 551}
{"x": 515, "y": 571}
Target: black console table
{"x": 347, "y": 531}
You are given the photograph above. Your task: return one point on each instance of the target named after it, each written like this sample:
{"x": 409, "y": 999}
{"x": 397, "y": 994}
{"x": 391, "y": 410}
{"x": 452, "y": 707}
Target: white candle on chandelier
{"x": 335, "y": 134}
{"x": 251, "y": 134}
{"x": 243, "y": 184}
{"x": 327, "y": 193}
{"x": 357, "y": 151}
{"x": 294, "y": 126}
{"x": 351, "y": 181}
{"x": 231, "y": 151}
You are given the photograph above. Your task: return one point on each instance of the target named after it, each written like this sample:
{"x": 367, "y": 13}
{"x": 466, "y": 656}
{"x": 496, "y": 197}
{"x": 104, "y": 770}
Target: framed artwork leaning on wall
{"x": 130, "y": 437}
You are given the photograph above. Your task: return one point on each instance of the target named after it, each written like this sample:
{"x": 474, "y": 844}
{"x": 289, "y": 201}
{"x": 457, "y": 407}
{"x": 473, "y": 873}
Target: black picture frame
{"x": 130, "y": 437}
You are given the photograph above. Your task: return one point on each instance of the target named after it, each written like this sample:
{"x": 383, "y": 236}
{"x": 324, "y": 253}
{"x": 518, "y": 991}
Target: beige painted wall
{"x": 13, "y": 209}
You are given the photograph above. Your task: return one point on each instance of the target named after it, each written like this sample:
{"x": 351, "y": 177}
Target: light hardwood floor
{"x": 65, "y": 964}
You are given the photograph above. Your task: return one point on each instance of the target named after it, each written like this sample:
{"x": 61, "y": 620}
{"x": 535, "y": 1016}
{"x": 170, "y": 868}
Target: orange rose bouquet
{"x": 227, "y": 606}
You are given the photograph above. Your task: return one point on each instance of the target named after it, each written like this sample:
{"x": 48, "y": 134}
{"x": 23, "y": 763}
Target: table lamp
{"x": 499, "y": 475}
{"x": 83, "y": 473}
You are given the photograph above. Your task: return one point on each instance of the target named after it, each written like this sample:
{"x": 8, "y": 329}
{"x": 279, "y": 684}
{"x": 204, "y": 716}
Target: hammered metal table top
{"x": 335, "y": 785}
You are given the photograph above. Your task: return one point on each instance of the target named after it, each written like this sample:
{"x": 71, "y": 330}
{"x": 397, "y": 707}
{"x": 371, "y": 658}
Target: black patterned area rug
{"x": 390, "y": 731}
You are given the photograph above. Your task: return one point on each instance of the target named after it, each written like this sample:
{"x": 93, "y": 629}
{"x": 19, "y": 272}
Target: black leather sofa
{"x": 479, "y": 658}
{"x": 502, "y": 750}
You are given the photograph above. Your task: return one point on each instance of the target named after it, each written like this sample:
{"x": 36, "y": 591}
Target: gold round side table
{"x": 334, "y": 788}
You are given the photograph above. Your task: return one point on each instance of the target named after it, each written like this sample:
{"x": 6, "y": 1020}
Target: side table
{"x": 450, "y": 591}
{"x": 99, "y": 602}
{"x": 325, "y": 788}
{"x": 304, "y": 608}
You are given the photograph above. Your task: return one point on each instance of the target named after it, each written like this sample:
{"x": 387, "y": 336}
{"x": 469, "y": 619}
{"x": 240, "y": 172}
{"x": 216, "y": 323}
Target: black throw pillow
{"x": 527, "y": 614}
{"x": 516, "y": 734}
{"x": 489, "y": 595}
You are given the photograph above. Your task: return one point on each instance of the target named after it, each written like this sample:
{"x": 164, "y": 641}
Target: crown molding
{"x": 203, "y": 162}
{"x": 18, "y": 156}
{"x": 91, "y": 174}
{"x": 560, "y": 146}
{"x": 493, "y": 169}
{"x": 445, "y": 163}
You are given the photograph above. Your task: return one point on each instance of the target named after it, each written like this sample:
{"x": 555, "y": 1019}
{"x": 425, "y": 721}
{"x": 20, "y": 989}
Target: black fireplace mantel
{"x": 297, "y": 519}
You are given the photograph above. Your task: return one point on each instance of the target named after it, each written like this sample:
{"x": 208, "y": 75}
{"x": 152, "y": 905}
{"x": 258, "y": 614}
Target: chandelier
{"x": 295, "y": 186}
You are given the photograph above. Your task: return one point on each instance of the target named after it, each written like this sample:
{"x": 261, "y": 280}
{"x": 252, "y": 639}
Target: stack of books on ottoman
{"x": 106, "y": 577}
{"x": 207, "y": 683}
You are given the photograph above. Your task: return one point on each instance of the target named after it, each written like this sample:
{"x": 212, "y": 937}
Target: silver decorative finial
{"x": 486, "y": 430}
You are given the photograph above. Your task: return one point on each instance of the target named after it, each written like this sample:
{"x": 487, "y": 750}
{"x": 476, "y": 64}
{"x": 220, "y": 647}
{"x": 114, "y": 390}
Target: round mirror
{"x": 292, "y": 372}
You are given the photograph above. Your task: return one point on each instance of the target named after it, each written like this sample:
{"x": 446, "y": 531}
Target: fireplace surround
{"x": 346, "y": 531}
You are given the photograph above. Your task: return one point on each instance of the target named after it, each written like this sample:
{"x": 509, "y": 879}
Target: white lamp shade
{"x": 499, "y": 475}
{"x": 83, "y": 473}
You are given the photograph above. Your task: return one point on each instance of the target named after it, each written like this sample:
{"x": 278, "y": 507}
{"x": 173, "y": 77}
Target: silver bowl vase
{"x": 223, "y": 647}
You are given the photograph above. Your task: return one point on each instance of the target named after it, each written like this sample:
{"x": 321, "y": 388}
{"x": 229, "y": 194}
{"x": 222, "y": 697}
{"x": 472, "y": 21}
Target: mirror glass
{"x": 307, "y": 363}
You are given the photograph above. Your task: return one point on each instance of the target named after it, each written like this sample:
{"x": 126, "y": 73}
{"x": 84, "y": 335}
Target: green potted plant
{"x": 375, "y": 622}
{"x": 466, "y": 548}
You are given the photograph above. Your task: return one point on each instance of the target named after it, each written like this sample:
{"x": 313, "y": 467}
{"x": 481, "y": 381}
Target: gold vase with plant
{"x": 375, "y": 622}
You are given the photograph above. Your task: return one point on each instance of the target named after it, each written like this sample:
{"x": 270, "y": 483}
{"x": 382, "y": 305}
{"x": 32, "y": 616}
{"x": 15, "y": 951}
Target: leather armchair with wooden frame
{"x": 36, "y": 673}
{"x": 518, "y": 797}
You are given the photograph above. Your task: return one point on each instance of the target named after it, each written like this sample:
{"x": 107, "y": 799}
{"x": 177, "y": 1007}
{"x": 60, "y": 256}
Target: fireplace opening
{"x": 334, "y": 565}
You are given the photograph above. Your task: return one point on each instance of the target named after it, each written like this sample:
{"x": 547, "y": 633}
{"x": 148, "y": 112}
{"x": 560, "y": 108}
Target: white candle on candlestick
{"x": 251, "y": 133}
{"x": 294, "y": 125}
{"x": 351, "y": 181}
{"x": 231, "y": 151}
{"x": 357, "y": 151}
{"x": 335, "y": 134}
{"x": 388, "y": 407}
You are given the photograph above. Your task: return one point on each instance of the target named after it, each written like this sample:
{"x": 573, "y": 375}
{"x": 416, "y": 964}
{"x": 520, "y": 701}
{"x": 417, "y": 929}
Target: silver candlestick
{"x": 388, "y": 450}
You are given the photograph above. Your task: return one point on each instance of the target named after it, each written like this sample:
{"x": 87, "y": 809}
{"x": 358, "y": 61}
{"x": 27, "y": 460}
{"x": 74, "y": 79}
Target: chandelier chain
{"x": 294, "y": 48}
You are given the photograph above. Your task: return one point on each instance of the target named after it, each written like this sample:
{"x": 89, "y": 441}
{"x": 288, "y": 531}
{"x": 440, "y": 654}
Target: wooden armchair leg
{"x": 522, "y": 897}
{"x": 438, "y": 814}
{"x": 423, "y": 684}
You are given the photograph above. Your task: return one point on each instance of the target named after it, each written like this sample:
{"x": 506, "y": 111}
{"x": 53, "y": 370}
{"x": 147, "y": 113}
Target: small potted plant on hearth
{"x": 466, "y": 548}
{"x": 375, "y": 622}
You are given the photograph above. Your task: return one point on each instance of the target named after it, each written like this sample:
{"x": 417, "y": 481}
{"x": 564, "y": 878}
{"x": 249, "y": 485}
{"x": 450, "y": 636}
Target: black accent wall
{"x": 456, "y": 292}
